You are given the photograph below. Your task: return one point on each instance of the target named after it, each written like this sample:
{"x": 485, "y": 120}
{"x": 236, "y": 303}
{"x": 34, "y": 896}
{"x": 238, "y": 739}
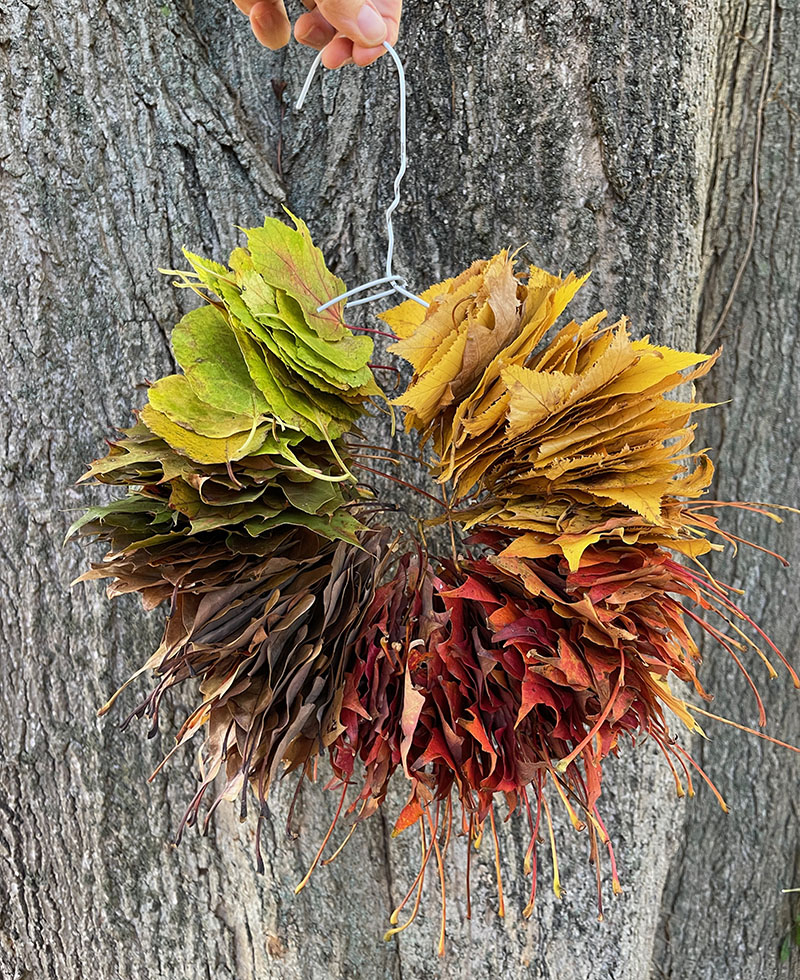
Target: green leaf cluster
{"x": 260, "y": 358}
{"x": 176, "y": 497}
{"x": 247, "y": 440}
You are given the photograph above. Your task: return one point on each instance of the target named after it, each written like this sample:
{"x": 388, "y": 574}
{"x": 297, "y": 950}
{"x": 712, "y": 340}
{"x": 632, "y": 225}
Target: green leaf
{"x": 174, "y": 397}
{"x": 276, "y": 445}
{"x": 294, "y": 401}
{"x": 216, "y": 522}
{"x": 315, "y": 497}
{"x": 257, "y": 295}
{"x": 134, "y": 504}
{"x": 154, "y": 540}
{"x": 290, "y": 261}
{"x": 350, "y": 355}
{"x": 339, "y": 526}
{"x": 264, "y": 376}
{"x": 206, "y": 349}
{"x": 203, "y": 449}
{"x": 208, "y": 271}
{"x": 126, "y": 454}
{"x": 215, "y": 493}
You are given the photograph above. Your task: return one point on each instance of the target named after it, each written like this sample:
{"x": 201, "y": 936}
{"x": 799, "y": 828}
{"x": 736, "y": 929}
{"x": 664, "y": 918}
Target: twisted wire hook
{"x": 396, "y": 283}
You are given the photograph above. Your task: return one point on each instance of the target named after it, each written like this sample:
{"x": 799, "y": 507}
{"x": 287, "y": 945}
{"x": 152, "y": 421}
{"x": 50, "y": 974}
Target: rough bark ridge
{"x": 584, "y": 129}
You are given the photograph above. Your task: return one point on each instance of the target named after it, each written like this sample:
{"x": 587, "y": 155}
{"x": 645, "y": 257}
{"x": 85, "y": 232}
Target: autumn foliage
{"x": 494, "y": 680}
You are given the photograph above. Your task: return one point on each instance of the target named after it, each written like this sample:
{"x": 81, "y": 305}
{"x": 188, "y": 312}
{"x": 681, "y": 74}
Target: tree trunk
{"x": 618, "y": 137}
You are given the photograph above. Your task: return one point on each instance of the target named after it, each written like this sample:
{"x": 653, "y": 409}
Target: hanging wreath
{"x": 500, "y": 675}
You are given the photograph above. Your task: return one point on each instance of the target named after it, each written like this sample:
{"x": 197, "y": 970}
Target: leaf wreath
{"x": 505, "y": 674}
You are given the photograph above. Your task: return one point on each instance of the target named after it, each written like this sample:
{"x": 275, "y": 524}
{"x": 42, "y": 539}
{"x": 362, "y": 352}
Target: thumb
{"x": 356, "y": 19}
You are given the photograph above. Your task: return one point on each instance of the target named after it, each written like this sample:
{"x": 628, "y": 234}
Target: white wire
{"x": 307, "y": 84}
{"x": 360, "y": 289}
{"x": 397, "y": 282}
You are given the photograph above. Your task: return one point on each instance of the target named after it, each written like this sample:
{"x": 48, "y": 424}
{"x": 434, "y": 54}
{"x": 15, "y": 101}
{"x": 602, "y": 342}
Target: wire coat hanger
{"x": 396, "y": 283}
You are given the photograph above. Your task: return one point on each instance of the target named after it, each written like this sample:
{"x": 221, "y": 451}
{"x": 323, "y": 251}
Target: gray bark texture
{"x": 620, "y": 137}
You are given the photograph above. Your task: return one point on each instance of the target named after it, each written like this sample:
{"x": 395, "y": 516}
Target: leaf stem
{"x": 404, "y": 483}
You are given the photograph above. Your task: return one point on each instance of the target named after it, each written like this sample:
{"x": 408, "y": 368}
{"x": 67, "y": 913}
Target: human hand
{"x": 345, "y": 30}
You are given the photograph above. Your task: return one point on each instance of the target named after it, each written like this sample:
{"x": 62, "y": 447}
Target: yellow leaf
{"x": 655, "y": 364}
{"x": 530, "y": 546}
{"x": 202, "y": 449}
{"x": 424, "y": 396}
{"x": 407, "y": 316}
{"x": 644, "y": 500}
{"x": 420, "y": 346}
{"x": 573, "y": 547}
{"x": 534, "y": 396}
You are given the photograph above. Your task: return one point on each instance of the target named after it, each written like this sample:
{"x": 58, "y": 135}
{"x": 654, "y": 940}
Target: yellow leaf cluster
{"x": 572, "y": 441}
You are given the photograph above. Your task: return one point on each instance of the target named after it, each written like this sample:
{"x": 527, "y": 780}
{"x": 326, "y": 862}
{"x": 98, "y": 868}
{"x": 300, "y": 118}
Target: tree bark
{"x": 618, "y": 137}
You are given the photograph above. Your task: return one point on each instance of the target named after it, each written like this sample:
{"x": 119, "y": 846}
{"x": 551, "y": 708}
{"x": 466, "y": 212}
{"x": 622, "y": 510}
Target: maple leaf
{"x": 247, "y": 439}
{"x": 516, "y": 678}
{"x": 261, "y": 349}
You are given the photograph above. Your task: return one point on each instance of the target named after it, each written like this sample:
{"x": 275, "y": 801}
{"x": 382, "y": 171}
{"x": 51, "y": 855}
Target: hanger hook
{"x": 396, "y": 283}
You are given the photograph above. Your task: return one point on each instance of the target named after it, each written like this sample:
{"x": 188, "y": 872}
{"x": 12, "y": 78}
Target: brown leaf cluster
{"x": 269, "y": 642}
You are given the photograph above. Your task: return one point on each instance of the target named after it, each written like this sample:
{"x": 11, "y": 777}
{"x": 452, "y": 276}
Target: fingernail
{"x": 371, "y": 25}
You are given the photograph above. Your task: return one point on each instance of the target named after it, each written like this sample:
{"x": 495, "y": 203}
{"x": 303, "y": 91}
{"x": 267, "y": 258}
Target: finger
{"x": 339, "y": 52}
{"x": 365, "y": 56}
{"x": 270, "y": 24}
{"x": 391, "y": 11}
{"x": 312, "y": 29}
{"x": 245, "y": 5}
{"x": 356, "y": 19}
